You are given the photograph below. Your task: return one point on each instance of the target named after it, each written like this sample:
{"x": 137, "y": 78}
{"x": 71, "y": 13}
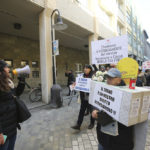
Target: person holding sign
{"x": 111, "y": 134}
{"x": 88, "y": 73}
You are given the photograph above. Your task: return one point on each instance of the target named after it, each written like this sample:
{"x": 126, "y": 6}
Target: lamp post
{"x": 59, "y": 25}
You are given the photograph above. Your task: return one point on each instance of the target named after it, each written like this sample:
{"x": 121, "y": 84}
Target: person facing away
{"x": 147, "y": 75}
{"x": 8, "y": 109}
{"x": 88, "y": 73}
{"x": 141, "y": 79}
{"x": 111, "y": 134}
{"x": 71, "y": 79}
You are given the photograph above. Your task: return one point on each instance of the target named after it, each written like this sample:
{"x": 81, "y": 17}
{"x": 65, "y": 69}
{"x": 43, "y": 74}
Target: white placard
{"x": 109, "y": 51}
{"x": 106, "y": 98}
{"x": 83, "y": 84}
{"x": 146, "y": 65}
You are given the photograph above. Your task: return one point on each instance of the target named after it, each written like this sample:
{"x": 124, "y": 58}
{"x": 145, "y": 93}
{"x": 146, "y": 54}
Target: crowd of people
{"x": 111, "y": 134}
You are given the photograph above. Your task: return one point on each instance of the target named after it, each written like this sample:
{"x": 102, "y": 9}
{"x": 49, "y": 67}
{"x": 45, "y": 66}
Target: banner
{"x": 83, "y": 84}
{"x": 146, "y": 65}
{"x": 109, "y": 51}
{"x": 106, "y": 98}
{"x": 56, "y": 47}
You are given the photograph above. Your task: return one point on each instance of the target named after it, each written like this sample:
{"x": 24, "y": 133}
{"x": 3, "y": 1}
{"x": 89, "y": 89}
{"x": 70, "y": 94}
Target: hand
{"x": 94, "y": 114}
{"x": 1, "y": 139}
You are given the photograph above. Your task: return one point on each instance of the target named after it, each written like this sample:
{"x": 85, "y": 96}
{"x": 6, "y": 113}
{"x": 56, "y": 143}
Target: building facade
{"x": 25, "y": 35}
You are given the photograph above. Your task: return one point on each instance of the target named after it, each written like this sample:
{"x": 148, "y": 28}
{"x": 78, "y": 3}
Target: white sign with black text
{"x": 109, "y": 51}
{"x": 83, "y": 84}
{"x": 106, "y": 98}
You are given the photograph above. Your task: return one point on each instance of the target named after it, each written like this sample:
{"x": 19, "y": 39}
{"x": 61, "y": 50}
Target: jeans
{"x": 9, "y": 144}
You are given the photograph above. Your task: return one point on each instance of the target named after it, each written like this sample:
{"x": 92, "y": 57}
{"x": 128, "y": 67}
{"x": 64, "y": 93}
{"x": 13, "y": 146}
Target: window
{"x": 24, "y": 63}
{"x": 9, "y": 62}
{"x": 35, "y": 74}
{"x": 119, "y": 29}
{"x": 128, "y": 18}
{"x": 79, "y": 68}
{"x": 129, "y": 38}
{"x": 34, "y": 64}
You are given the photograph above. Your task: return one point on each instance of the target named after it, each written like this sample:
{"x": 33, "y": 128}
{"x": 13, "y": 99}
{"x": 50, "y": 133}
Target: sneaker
{"x": 91, "y": 126}
{"x": 76, "y": 127}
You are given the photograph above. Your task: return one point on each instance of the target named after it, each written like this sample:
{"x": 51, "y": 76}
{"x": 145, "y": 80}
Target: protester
{"x": 71, "y": 79}
{"x": 88, "y": 73}
{"x": 117, "y": 136}
{"x": 147, "y": 75}
{"x": 141, "y": 79}
{"x": 102, "y": 68}
{"x": 8, "y": 109}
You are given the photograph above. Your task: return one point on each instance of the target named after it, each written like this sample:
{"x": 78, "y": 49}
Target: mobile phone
{"x": 5, "y": 137}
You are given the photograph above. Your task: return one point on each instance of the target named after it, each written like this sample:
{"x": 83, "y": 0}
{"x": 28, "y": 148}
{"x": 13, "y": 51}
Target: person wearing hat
{"x": 8, "y": 109}
{"x": 111, "y": 134}
{"x": 88, "y": 73}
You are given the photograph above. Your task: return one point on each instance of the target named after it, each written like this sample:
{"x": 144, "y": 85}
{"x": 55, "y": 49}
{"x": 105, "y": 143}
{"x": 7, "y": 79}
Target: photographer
{"x": 8, "y": 109}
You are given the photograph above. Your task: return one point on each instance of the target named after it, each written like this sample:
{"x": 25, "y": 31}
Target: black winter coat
{"x": 124, "y": 141}
{"x": 8, "y": 110}
{"x": 71, "y": 78}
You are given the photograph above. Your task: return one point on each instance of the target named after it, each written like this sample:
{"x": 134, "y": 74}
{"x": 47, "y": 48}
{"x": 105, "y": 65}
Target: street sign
{"x": 56, "y": 47}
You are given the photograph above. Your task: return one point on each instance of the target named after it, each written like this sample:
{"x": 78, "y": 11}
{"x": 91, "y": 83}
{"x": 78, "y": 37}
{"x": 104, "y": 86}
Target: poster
{"x": 109, "y": 51}
{"x": 128, "y": 68}
{"x": 56, "y": 47}
{"x": 146, "y": 65}
{"x": 106, "y": 98}
{"x": 83, "y": 84}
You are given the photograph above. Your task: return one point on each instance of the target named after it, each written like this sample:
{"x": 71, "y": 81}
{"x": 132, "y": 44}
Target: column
{"x": 45, "y": 54}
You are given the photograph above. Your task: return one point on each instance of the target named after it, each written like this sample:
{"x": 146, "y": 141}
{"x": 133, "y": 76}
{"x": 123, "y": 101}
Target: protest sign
{"x": 128, "y": 68}
{"x": 146, "y": 65}
{"x": 109, "y": 51}
{"x": 83, "y": 84}
{"x": 106, "y": 98}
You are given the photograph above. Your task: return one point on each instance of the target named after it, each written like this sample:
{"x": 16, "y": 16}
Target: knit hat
{"x": 89, "y": 67}
{"x": 3, "y": 64}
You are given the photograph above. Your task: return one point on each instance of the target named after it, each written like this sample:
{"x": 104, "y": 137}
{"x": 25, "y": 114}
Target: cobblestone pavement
{"x": 49, "y": 129}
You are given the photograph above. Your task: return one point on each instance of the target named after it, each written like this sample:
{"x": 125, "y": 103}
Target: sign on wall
{"x": 83, "y": 84}
{"x": 109, "y": 51}
{"x": 106, "y": 98}
{"x": 56, "y": 47}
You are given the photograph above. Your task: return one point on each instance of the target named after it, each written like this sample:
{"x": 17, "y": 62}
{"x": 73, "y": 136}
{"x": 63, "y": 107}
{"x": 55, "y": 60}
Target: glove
{"x": 21, "y": 79}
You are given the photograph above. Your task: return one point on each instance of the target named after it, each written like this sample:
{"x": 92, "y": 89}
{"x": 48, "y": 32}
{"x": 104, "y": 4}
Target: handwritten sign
{"x": 109, "y": 51}
{"x": 83, "y": 84}
{"x": 146, "y": 65}
{"x": 105, "y": 98}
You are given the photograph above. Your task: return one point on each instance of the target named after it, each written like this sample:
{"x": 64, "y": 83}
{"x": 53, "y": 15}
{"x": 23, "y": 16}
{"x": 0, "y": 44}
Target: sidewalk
{"x": 49, "y": 129}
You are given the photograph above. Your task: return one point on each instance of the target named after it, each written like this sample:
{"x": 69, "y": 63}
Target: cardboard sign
{"x": 146, "y": 65}
{"x": 83, "y": 84}
{"x": 109, "y": 51}
{"x": 128, "y": 68}
{"x": 105, "y": 98}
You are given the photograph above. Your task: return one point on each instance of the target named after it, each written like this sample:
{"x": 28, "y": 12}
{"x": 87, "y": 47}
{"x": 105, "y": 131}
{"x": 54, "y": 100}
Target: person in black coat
{"x": 88, "y": 73}
{"x": 8, "y": 109}
{"x": 124, "y": 139}
{"x": 71, "y": 79}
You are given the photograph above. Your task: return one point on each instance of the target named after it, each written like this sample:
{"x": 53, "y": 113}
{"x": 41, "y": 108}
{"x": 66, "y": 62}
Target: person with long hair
{"x": 88, "y": 73}
{"x": 8, "y": 110}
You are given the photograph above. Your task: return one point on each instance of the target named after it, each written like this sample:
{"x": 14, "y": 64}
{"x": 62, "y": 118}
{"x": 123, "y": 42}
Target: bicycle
{"x": 35, "y": 94}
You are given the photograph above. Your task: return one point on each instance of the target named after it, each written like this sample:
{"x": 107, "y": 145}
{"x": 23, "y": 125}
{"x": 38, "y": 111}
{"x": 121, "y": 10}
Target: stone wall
{"x": 19, "y": 49}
